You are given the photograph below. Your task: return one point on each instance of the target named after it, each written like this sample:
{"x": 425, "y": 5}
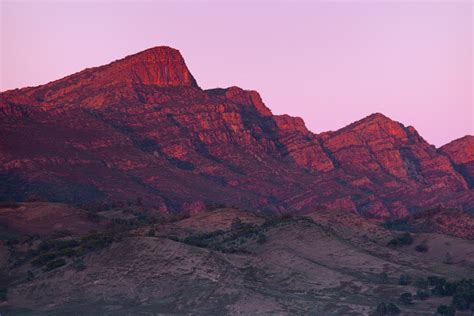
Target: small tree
{"x": 261, "y": 239}
{"x": 421, "y": 283}
{"x": 3, "y": 295}
{"x": 405, "y": 279}
{"x": 447, "y": 310}
{"x": 387, "y": 309}
{"x": 406, "y": 298}
{"x": 422, "y": 295}
{"x": 384, "y": 278}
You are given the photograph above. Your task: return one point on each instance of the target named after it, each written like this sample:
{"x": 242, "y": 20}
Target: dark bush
{"x": 421, "y": 283}
{"x": 52, "y": 244}
{"x": 421, "y": 248}
{"x": 79, "y": 264}
{"x": 448, "y": 258}
{"x": 434, "y": 281}
{"x": 387, "y": 309}
{"x": 236, "y": 224}
{"x": 406, "y": 298}
{"x": 60, "y": 234}
{"x": 403, "y": 240}
{"x": 202, "y": 240}
{"x": 464, "y": 294}
{"x": 444, "y": 288}
{"x": 151, "y": 233}
{"x": 397, "y": 224}
{"x": 404, "y": 279}
{"x": 3, "y": 295}
{"x": 383, "y": 278}
{"x": 97, "y": 241}
{"x": 12, "y": 241}
{"x": 54, "y": 264}
{"x": 68, "y": 252}
{"x": 44, "y": 258}
{"x": 461, "y": 302}
{"x": 422, "y": 295}
{"x": 447, "y": 310}
{"x": 261, "y": 239}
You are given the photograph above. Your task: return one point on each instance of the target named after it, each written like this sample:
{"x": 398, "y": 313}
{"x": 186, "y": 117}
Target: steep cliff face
{"x": 142, "y": 128}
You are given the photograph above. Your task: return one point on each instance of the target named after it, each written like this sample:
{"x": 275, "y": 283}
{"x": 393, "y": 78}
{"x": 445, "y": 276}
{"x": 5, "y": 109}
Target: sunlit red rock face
{"x": 142, "y": 128}
{"x": 461, "y": 153}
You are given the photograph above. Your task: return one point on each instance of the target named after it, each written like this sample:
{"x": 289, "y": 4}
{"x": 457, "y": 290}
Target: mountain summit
{"x": 141, "y": 128}
{"x": 161, "y": 66}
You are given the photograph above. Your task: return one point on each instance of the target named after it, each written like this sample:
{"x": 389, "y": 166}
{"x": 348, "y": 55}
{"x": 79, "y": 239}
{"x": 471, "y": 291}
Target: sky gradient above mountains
{"x": 330, "y": 63}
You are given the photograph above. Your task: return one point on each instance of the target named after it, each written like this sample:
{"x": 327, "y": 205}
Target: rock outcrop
{"x": 461, "y": 153}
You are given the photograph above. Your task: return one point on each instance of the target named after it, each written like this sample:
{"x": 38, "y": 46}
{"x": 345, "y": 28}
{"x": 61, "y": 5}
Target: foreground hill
{"x": 229, "y": 261}
{"x": 141, "y": 128}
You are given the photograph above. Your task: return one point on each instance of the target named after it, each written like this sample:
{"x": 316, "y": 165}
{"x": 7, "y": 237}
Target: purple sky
{"x": 330, "y": 62}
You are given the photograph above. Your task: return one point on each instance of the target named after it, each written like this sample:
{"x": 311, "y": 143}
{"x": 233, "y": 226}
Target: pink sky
{"x": 330, "y": 62}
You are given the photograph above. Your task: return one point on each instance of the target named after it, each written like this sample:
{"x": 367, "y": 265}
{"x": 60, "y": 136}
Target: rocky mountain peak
{"x": 162, "y": 66}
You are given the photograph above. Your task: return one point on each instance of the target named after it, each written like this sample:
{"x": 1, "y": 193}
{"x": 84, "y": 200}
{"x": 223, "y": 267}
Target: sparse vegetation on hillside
{"x": 462, "y": 293}
{"x": 397, "y": 224}
{"x": 54, "y": 264}
{"x": 230, "y": 241}
{"x": 405, "y": 239}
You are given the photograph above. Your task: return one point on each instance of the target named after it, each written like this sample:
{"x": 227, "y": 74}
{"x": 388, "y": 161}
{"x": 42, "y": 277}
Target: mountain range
{"x": 141, "y": 129}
